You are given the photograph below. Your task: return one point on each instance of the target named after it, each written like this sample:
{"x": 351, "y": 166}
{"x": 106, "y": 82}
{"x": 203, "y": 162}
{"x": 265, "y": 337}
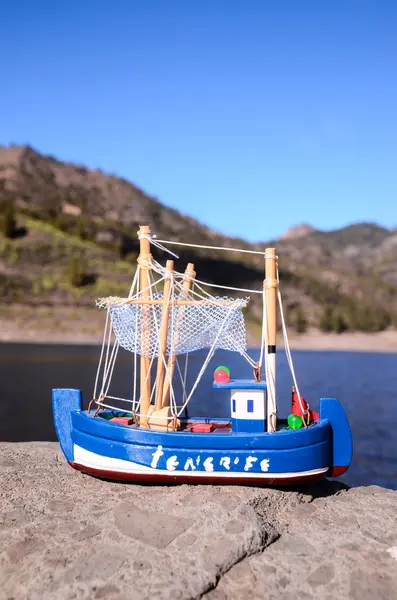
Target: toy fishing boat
{"x": 149, "y": 437}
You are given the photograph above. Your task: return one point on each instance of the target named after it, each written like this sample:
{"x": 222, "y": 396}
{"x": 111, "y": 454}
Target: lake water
{"x": 365, "y": 383}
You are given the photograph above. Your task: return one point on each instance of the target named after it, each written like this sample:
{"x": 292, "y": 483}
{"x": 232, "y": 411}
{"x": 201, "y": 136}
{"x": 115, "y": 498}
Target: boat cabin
{"x": 247, "y": 404}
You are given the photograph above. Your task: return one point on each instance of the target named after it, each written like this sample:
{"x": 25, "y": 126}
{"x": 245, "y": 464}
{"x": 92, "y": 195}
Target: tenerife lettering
{"x": 208, "y": 463}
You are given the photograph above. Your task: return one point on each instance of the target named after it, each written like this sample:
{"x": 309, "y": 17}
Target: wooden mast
{"x": 144, "y": 263}
{"x": 271, "y": 285}
{"x": 163, "y": 335}
{"x": 187, "y": 282}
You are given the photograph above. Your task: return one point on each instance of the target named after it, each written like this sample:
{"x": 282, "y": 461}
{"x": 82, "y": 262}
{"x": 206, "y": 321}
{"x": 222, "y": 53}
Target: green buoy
{"x": 223, "y": 369}
{"x": 295, "y": 421}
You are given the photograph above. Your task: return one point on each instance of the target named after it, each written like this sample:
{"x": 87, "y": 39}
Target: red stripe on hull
{"x": 336, "y": 471}
{"x": 197, "y": 479}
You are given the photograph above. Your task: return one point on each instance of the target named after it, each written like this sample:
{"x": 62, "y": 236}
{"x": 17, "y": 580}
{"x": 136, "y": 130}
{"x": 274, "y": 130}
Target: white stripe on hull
{"x": 85, "y": 458}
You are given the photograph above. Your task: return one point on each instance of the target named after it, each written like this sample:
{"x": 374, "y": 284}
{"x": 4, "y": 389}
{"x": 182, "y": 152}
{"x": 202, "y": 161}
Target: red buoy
{"x": 222, "y": 375}
{"x": 297, "y": 407}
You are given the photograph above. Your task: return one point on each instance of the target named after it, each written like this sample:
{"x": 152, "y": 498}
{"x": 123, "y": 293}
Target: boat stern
{"x": 342, "y": 443}
{"x": 64, "y": 401}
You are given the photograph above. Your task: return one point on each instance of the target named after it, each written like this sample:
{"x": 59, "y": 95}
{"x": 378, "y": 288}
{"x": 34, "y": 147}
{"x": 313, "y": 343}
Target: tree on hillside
{"x": 76, "y": 271}
{"x": 338, "y": 322}
{"x": 8, "y": 222}
{"x": 300, "y": 320}
{"x": 80, "y": 228}
{"x": 326, "y": 318}
{"x": 374, "y": 319}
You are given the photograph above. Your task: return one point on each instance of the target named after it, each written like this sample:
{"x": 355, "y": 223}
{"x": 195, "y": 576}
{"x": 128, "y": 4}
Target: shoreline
{"x": 382, "y": 341}
{"x": 84, "y": 326}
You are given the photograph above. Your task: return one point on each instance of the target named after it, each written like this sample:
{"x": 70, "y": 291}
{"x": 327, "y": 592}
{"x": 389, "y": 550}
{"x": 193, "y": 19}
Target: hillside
{"x": 68, "y": 236}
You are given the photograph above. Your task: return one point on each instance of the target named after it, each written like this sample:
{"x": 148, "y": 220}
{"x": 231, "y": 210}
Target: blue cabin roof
{"x": 241, "y": 384}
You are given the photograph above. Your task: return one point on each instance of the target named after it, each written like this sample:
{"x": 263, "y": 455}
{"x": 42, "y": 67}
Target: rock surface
{"x": 65, "y": 535}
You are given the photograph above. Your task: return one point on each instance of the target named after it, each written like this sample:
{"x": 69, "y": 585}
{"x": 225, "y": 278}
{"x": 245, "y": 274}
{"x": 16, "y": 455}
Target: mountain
{"x": 69, "y": 236}
{"x": 48, "y": 187}
{"x": 297, "y": 231}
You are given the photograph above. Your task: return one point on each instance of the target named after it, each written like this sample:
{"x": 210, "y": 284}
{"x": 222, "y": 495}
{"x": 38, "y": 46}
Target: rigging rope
{"x": 198, "y": 292}
{"x": 152, "y": 239}
{"x": 225, "y": 248}
{"x": 102, "y": 351}
{"x": 305, "y": 411}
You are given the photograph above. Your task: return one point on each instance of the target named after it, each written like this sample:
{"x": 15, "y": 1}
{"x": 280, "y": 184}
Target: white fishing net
{"x": 216, "y": 322}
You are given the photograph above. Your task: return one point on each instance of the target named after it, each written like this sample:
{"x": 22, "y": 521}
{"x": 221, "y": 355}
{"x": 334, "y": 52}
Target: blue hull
{"x": 116, "y": 451}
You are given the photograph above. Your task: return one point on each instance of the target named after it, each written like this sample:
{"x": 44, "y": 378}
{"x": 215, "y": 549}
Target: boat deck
{"x": 194, "y": 425}
{"x": 206, "y": 426}
{"x": 191, "y": 425}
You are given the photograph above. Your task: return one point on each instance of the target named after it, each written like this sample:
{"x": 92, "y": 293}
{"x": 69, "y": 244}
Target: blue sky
{"x": 250, "y": 115}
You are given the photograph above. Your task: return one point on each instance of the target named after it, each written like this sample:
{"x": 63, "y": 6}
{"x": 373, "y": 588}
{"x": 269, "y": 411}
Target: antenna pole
{"x": 187, "y": 282}
{"x": 144, "y": 264}
{"x": 163, "y": 335}
{"x": 271, "y": 285}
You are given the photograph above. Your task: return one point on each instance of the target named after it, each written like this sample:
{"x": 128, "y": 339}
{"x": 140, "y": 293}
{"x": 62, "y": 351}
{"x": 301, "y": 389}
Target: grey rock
{"x": 336, "y": 550}
{"x": 234, "y": 526}
{"x": 153, "y": 528}
{"x": 19, "y": 550}
{"x": 87, "y": 532}
{"x": 66, "y": 535}
{"x": 106, "y": 590}
{"x": 323, "y": 575}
